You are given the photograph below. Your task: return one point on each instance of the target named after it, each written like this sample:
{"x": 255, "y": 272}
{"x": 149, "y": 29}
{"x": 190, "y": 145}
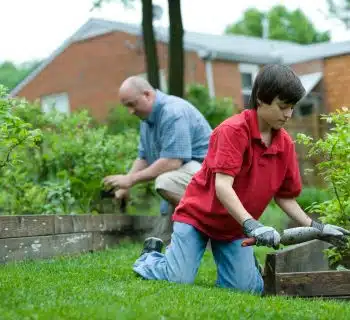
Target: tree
{"x": 176, "y": 52}
{"x": 149, "y": 43}
{"x": 340, "y": 10}
{"x": 11, "y": 75}
{"x": 282, "y": 25}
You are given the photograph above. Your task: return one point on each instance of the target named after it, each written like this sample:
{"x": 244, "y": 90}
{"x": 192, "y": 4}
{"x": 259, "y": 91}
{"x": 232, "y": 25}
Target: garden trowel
{"x": 291, "y": 236}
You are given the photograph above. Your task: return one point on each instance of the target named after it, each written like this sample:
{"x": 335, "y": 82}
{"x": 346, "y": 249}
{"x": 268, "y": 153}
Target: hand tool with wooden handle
{"x": 291, "y": 236}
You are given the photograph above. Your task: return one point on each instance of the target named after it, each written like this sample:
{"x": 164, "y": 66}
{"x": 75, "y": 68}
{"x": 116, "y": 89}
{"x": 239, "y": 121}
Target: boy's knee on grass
{"x": 181, "y": 276}
{"x": 244, "y": 286}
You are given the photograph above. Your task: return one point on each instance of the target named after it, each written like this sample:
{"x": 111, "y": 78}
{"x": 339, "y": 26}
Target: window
{"x": 248, "y": 73}
{"x": 59, "y": 102}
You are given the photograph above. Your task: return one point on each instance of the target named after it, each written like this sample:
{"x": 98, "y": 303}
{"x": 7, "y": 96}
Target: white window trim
{"x": 252, "y": 69}
{"x": 246, "y": 91}
{"x": 249, "y": 68}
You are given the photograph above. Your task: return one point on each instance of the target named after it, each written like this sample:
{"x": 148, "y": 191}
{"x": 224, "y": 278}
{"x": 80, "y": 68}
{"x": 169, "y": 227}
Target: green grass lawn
{"x": 102, "y": 285}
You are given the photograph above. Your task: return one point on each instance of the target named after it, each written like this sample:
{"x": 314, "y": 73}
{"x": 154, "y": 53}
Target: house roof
{"x": 227, "y": 47}
{"x": 310, "y": 80}
{"x": 224, "y": 47}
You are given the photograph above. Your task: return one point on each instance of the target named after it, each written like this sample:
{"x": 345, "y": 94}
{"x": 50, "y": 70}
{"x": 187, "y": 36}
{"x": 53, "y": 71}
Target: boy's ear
{"x": 259, "y": 102}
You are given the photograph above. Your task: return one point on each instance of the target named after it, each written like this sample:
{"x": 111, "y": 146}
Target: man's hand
{"x": 121, "y": 194}
{"x": 265, "y": 236}
{"x": 333, "y": 234}
{"x": 118, "y": 181}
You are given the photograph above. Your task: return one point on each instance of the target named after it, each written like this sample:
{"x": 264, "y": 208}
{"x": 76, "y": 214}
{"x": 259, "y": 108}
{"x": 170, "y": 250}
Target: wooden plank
{"x": 25, "y": 226}
{"x": 269, "y": 275}
{"x": 307, "y": 256}
{"x": 86, "y": 223}
{"x": 311, "y": 284}
{"x": 304, "y": 257}
{"x": 36, "y": 225}
{"x": 144, "y": 226}
{"x": 143, "y": 223}
{"x": 39, "y": 247}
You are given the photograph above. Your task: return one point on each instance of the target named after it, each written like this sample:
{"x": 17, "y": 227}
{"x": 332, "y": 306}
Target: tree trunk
{"x": 149, "y": 43}
{"x": 176, "y": 54}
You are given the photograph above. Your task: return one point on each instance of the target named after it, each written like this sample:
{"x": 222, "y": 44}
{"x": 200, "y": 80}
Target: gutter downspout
{"x": 207, "y": 57}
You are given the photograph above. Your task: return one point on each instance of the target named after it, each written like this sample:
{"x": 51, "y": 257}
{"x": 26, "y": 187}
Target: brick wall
{"x": 308, "y": 67}
{"x": 91, "y": 71}
{"x": 336, "y": 82}
{"x": 227, "y": 81}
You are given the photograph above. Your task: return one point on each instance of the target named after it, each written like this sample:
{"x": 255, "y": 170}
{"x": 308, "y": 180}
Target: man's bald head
{"x": 138, "y": 96}
{"x": 138, "y": 84}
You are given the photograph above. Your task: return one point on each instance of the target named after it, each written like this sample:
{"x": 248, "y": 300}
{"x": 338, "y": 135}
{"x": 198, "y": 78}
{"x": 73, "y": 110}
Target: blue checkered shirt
{"x": 174, "y": 129}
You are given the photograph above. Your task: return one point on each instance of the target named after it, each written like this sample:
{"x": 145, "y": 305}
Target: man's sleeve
{"x": 141, "y": 146}
{"x": 227, "y": 147}
{"x": 176, "y": 138}
{"x": 291, "y": 186}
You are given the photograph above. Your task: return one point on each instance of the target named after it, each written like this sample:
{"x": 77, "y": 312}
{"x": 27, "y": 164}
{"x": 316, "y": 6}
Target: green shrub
{"x": 334, "y": 167}
{"x": 215, "y": 110}
{"x": 15, "y": 133}
{"x": 119, "y": 120}
{"x": 64, "y": 173}
{"x": 311, "y": 196}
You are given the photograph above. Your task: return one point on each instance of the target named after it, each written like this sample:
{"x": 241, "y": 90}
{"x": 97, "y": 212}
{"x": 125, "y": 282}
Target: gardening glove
{"x": 333, "y": 234}
{"x": 265, "y": 236}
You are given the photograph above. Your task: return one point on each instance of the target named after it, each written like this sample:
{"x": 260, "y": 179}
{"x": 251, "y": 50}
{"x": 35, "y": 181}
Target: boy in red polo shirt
{"x": 251, "y": 160}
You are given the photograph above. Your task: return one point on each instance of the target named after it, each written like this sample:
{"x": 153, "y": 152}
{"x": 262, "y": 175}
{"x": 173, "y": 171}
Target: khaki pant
{"x": 176, "y": 182}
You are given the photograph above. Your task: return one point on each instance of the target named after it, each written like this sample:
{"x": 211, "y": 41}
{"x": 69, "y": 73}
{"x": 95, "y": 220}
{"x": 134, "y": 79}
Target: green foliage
{"x": 119, "y": 120}
{"x": 14, "y": 132}
{"x": 11, "y": 75}
{"x": 215, "y": 110}
{"x": 286, "y": 25}
{"x": 333, "y": 152}
{"x": 64, "y": 173}
{"x": 311, "y": 196}
{"x": 339, "y": 9}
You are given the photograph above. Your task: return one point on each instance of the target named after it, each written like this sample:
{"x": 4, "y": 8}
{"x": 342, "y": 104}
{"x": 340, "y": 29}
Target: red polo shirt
{"x": 261, "y": 173}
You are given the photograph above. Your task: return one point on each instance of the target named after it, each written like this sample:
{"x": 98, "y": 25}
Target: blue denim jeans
{"x": 235, "y": 264}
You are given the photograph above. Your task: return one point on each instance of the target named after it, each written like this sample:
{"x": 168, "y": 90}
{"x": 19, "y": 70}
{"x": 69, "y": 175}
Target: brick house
{"x": 87, "y": 69}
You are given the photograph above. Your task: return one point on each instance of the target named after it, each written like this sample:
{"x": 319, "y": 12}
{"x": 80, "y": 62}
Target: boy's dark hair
{"x": 276, "y": 81}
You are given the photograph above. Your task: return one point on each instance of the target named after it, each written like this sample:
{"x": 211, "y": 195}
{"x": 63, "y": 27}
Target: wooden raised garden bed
{"x": 46, "y": 236}
{"x": 303, "y": 271}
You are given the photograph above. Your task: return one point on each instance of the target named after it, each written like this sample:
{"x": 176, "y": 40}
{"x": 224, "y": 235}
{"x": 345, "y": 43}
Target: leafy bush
{"x": 64, "y": 173}
{"x": 119, "y": 120}
{"x": 15, "y": 133}
{"x": 311, "y": 196}
{"x": 73, "y": 153}
{"x": 334, "y": 166}
{"x": 215, "y": 110}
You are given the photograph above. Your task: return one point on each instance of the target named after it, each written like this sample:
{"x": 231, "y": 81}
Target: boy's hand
{"x": 265, "y": 236}
{"x": 333, "y": 234}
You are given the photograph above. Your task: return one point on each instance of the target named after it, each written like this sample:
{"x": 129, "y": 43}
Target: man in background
{"x": 174, "y": 139}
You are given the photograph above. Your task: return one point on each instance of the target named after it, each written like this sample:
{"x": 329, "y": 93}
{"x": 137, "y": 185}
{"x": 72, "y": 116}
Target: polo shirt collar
{"x": 277, "y": 144}
{"x": 158, "y": 102}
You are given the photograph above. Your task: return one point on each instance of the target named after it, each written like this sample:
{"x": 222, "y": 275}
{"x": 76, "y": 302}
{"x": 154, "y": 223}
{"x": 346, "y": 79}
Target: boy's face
{"x": 275, "y": 114}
